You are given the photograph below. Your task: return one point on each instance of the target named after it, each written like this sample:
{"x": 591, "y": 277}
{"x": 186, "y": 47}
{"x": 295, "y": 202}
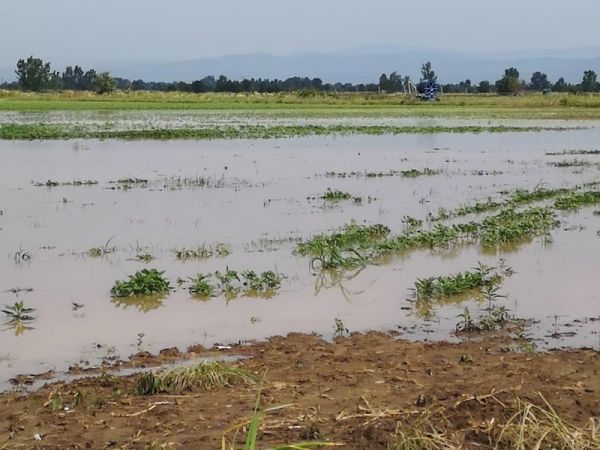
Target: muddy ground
{"x": 359, "y": 391}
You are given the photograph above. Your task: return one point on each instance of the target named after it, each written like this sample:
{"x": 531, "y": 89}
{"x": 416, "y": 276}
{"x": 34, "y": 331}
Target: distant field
{"x": 531, "y": 106}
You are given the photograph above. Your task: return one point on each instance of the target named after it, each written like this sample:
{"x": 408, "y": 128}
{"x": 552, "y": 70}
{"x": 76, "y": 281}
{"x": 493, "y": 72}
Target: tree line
{"x": 33, "y": 74}
{"x": 510, "y": 83}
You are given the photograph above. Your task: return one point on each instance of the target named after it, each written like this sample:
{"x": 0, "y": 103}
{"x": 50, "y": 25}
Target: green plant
{"x": 143, "y": 282}
{"x": 106, "y": 249}
{"x": 19, "y": 312}
{"x": 253, "y": 425}
{"x": 202, "y": 252}
{"x": 432, "y": 288}
{"x": 335, "y": 195}
{"x": 144, "y": 257}
{"x": 412, "y": 173}
{"x": 339, "y": 329}
{"x": 467, "y": 323}
{"x": 231, "y": 283}
{"x": 201, "y": 287}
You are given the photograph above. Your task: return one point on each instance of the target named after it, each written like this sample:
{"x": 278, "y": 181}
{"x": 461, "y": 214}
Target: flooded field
{"x": 77, "y": 216}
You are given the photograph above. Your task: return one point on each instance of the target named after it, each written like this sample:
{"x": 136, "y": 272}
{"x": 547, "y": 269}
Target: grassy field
{"x": 553, "y": 106}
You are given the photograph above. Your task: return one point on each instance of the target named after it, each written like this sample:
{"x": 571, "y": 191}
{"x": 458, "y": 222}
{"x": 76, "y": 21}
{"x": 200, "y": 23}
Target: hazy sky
{"x": 92, "y": 32}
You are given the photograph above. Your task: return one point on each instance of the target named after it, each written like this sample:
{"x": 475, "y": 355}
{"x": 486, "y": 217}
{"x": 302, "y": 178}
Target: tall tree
{"x": 560, "y": 85}
{"x": 427, "y": 73}
{"x": 539, "y": 81}
{"x": 383, "y": 82}
{"x": 103, "y": 83}
{"x": 509, "y": 83}
{"x": 589, "y": 83}
{"x": 33, "y": 74}
{"x": 484, "y": 87}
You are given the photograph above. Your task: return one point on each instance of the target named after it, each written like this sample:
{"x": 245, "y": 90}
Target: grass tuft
{"x": 204, "y": 376}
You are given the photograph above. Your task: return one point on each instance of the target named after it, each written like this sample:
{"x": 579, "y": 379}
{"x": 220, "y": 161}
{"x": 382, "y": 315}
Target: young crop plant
{"x": 434, "y": 288}
{"x": 143, "y": 282}
{"x": 202, "y": 252}
{"x": 413, "y": 173}
{"x": 19, "y": 312}
{"x": 106, "y": 249}
{"x": 335, "y": 195}
{"x": 201, "y": 287}
{"x": 344, "y": 248}
{"x": 576, "y": 200}
{"x": 232, "y": 283}
{"x": 19, "y": 317}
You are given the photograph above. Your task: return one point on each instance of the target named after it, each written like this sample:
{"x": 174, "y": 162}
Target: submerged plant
{"x": 231, "y": 283}
{"x": 202, "y": 252}
{"x": 412, "y": 173}
{"x": 104, "y": 250}
{"x": 144, "y": 257}
{"x": 335, "y": 195}
{"x": 143, "y": 282}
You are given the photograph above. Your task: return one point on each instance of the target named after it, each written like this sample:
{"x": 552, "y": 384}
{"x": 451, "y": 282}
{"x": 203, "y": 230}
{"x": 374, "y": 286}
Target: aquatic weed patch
{"x": 12, "y": 131}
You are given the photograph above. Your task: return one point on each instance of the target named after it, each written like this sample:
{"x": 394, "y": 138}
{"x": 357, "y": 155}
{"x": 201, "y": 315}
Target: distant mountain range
{"x": 364, "y": 65}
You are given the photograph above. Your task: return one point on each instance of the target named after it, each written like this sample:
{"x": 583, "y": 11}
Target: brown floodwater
{"x": 259, "y": 201}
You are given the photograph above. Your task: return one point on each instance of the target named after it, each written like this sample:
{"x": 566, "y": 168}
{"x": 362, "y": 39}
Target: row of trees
{"x": 510, "y": 83}
{"x": 33, "y": 74}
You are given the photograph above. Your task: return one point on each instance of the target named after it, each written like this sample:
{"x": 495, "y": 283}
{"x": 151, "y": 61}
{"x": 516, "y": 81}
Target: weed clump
{"x": 143, "y": 282}
{"x": 203, "y": 376}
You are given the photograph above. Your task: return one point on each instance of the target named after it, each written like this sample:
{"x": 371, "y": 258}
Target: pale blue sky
{"x": 116, "y": 31}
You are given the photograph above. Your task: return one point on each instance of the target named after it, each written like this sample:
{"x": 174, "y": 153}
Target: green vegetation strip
{"x": 359, "y": 245}
{"x": 11, "y": 131}
{"x": 520, "y": 197}
{"x": 433, "y": 288}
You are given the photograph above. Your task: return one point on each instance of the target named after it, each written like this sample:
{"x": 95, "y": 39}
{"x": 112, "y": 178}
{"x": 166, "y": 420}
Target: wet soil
{"x": 358, "y": 391}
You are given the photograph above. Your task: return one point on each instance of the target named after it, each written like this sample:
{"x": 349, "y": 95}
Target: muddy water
{"x": 258, "y": 202}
